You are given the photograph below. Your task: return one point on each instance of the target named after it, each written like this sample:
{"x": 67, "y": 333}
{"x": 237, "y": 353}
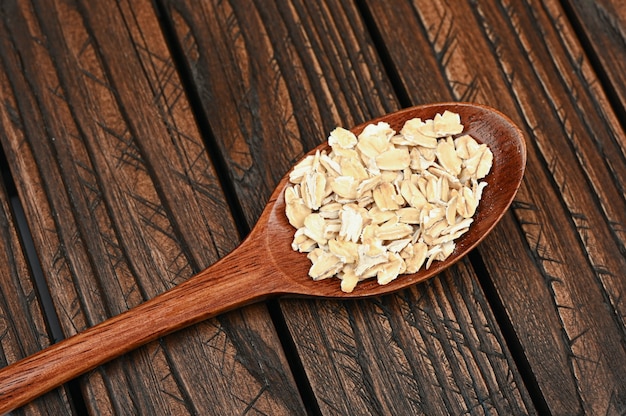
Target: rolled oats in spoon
{"x": 386, "y": 203}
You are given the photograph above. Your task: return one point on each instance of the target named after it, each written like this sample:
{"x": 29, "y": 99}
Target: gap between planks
{"x": 53, "y": 325}
{"x": 243, "y": 228}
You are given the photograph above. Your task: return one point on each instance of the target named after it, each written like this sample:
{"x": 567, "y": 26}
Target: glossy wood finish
{"x": 142, "y": 138}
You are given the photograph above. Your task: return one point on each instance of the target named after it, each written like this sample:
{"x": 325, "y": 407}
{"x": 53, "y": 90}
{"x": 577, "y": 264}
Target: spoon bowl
{"x": 264, "y": 265}
{"x": 485, "y": 124}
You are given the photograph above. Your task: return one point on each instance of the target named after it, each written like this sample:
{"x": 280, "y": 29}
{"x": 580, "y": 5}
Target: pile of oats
{"x": 386, "y": 203}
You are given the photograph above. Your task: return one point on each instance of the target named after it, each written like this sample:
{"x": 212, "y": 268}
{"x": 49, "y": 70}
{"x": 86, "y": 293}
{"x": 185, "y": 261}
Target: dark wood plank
{"x": 274, "y": 79}
{"x": 124, "y": 203}
{"x": 603, "y": 26}
{"x": 253, "y": 96}
{"x": 22, "y": 326}
{"x": 433, "y": 349}
{"x": 566, "y": 308}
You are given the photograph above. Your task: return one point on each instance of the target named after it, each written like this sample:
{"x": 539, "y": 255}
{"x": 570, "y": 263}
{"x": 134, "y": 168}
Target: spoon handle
{"x": 237, "y": 279}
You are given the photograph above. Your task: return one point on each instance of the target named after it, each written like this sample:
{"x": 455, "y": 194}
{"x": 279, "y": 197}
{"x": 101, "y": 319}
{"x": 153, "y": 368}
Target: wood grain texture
{"x": 265, "y": 74}
{"x": 22, "y": 326}
{"x": 430, "y": 350}
{"x": 113, "y": 172}
{"x": 527, "y": 62}
{"x": 124, "y": 203}
{"x": 386, "y": 355}
{"x": 603, "y": 28}
{"x": 234, "y": 281}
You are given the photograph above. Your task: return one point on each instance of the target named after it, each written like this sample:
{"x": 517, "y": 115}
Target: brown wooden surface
{"x": 570, "y": 207}
{"x": 144, "y": 139}
{"x": 100, "y": 167}
{"x": 601, "y": 24}
{"x": 23, "y": 328}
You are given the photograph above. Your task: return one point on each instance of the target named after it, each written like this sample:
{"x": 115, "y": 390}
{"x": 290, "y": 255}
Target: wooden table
{"x": 141, "y": 139}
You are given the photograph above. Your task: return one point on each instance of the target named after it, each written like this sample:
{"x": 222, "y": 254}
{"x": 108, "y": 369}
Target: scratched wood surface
{"x": 602, "y": 24}
{"x": 102, "y": 160}
{"x": 22, "y": 324}
{"x": 570, "y": 298}
{"x": 145, "y": 137}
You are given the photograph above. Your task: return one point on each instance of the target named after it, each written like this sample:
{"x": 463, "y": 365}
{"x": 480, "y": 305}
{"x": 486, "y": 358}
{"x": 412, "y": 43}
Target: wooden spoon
{"x": 264, "y": 265}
